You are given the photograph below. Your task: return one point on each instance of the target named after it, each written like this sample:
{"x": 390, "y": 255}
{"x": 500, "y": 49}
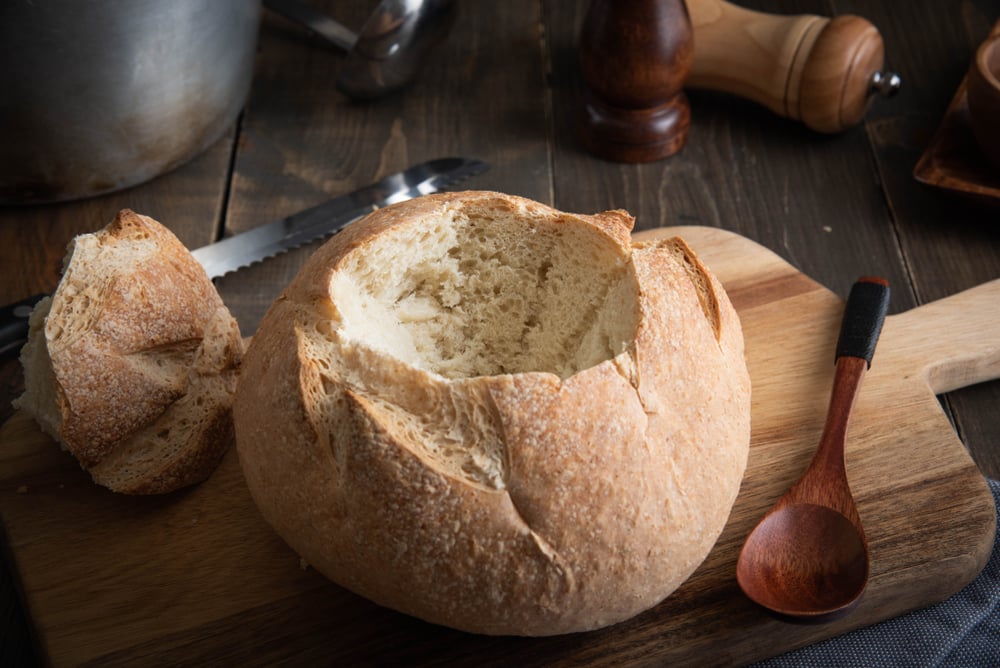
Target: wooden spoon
{"x": 808, "y": 557}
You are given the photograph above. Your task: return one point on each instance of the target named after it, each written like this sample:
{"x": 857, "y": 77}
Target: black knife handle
{"x": 863, "y": 317}
{"x": 14, "y": 325}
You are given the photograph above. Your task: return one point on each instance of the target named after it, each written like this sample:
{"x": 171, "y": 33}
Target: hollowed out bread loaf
{"x": 496, "y": 416}
{"x": 132, "y": 363}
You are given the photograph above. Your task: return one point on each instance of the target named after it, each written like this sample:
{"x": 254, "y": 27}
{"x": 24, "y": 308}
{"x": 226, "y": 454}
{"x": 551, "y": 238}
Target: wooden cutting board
{"x": 196, "y": 577}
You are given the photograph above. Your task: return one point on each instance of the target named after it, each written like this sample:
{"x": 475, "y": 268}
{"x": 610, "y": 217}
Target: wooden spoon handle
{"x": 860, "y": 328}
{"x": 825, "y": 481}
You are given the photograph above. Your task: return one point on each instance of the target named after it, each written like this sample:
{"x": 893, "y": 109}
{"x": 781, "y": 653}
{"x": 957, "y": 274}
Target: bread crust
{"x": 614, "y": 481}
{"x": 132, "y": 364}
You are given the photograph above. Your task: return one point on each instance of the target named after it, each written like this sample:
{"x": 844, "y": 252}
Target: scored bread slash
{"x": 496, "y": 416}
{"x": 132, "y": 363}
{"x": 75, "y": 410}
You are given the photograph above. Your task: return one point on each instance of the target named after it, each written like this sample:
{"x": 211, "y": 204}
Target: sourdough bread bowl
{"x": 495, "y": 416}
{"x": 132, "y": 363}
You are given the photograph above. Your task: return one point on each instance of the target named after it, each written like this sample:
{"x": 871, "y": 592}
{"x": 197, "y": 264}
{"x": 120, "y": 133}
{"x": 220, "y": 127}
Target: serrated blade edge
{"x": 246, "y": 248}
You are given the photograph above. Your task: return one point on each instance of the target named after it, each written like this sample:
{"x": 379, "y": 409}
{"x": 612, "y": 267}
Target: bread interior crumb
{"x": 474, "y": 294}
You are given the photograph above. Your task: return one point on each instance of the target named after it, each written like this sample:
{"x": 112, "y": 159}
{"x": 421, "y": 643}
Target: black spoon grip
{"x": 863, "y": 317}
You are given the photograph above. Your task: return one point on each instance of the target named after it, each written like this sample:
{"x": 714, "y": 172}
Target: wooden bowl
{"x": 984, "y": 98}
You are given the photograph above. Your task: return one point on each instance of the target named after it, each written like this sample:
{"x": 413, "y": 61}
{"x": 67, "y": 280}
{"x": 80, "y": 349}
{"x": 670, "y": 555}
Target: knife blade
{"x": 268, "y": 240}
{"x": 257, "y": 244}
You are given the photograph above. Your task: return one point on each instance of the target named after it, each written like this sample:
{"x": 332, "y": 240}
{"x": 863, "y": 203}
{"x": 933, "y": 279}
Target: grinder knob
{"x": 817, "y": 70}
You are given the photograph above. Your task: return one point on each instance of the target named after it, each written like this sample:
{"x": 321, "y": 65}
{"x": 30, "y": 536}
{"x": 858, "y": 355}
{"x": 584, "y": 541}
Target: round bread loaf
{"x": 492, "y": 415}
{"x": 132, "y": 363}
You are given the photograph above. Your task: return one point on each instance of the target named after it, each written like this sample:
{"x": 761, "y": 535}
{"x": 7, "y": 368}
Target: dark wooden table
{"x": 503, "y": 88}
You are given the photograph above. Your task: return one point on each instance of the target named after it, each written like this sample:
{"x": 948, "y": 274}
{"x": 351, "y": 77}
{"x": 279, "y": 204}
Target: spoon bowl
{"x": 805, "y": 560}
{"x": 808, "y": 557}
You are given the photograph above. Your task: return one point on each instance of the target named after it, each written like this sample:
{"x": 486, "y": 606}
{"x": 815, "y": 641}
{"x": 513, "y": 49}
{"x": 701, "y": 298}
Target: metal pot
{"x": 100, "y": 95}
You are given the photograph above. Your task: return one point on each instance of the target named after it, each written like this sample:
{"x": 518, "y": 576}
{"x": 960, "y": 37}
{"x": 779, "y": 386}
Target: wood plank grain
{"x": 33, "y": 241}
{"x": 196, "y": 577}
{"x": 837, "y": 207}
{"x": 823, "y": 203}
{"x": 480, "y": 95}
{"x": 815, "y": 199}
{"x": 950, "y": 240}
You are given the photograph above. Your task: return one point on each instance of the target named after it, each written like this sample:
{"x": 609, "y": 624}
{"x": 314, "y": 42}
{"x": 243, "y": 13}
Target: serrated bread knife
{"x": 246, "y": 248}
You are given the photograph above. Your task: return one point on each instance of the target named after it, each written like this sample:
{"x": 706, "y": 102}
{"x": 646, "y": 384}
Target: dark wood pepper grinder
{"x": 635, "y": 56}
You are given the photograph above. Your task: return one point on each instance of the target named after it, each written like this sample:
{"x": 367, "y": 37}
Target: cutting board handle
{"x": 954, "y": 342}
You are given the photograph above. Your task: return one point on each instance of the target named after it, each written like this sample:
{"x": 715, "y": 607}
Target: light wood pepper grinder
{"x": 634, "y": 57}
{"x": 814, "y": 69}
{"x": 637, "y": 55}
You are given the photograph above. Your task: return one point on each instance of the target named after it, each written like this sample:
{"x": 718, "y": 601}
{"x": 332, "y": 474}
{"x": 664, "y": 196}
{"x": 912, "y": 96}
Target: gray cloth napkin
{"x": 963, "y": 630}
